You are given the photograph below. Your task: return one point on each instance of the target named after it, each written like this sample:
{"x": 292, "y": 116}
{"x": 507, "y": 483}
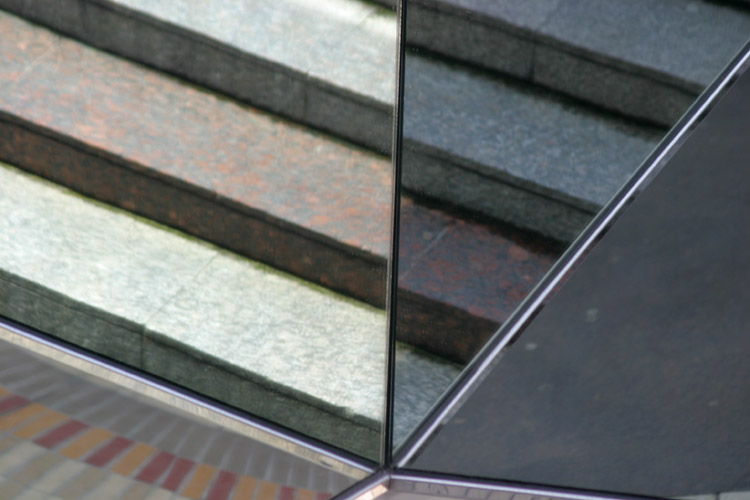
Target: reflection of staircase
{"x": 315, "y": 206}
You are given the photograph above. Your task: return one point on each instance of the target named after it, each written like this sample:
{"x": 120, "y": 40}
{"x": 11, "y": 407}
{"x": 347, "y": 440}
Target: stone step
{"x": 520, "y": 155}
{"x": 231, "y": 175}
{"x": 646, "y": 59}
{"x": 326, "y": 64}
{"x": 197, "y": 315}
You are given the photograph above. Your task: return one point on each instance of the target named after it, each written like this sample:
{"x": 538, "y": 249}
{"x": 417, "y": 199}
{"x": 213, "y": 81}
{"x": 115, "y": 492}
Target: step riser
{"x": 137, "y": 189}
{"x": 441, "y": 329}
{"x": 199, "y": 59}
{"x": 439, "y": 178}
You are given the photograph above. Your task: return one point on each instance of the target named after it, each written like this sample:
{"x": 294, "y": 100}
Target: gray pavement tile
{"x": 459, "y": 35}
{"x": 512, "y": 132}
{"x": 521, "y": 156}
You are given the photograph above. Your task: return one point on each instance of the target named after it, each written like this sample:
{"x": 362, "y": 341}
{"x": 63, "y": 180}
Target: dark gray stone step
{"x": 516, "y": 154}
{"x": 647, "y": 59}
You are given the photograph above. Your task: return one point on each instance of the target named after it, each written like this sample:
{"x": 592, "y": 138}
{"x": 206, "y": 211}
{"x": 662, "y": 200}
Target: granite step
{"x": 330, "y": 65}
{"x": 647, "y": 59}
{"x": 257, "y": 185}
{"x": 521, "y": 155}
{"x": 197, "y": 315}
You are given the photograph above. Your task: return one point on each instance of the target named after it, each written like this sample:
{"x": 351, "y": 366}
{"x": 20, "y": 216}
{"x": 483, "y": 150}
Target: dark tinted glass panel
{"x": 68, "y": 435}
{"x": 520, "y": 121}
{"x": 234, "y": 234}
{"x": 634, "y": 378}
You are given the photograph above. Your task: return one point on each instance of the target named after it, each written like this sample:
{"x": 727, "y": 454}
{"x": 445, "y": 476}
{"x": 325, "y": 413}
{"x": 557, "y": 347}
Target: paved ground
{"x": 66, "y": 437}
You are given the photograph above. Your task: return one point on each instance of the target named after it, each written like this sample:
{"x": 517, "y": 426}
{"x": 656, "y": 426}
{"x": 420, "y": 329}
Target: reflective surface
{"x": 633, "y": 378}
{"x": 258, "y": 130}
{"x": 68, "y": 435}
{"x": 520, "y": 121}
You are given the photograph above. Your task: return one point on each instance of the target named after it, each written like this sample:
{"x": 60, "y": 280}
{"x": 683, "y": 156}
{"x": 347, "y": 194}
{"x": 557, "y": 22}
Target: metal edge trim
{"x": 475, "y": 372}
{"x": 476, "y": 490}
{"x": 181, "y": 402}
{"x": 386, "y": 452}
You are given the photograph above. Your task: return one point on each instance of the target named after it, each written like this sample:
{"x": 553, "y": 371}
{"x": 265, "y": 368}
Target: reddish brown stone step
{"x": 460, "y": 278}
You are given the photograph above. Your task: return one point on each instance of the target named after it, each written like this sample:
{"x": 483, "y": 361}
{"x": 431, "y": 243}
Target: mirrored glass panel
{"x": 633, "y": 378}
{"x": 202, "y": 190}
{"x": 520, "y": 121}
{"x": 66, "y": 434}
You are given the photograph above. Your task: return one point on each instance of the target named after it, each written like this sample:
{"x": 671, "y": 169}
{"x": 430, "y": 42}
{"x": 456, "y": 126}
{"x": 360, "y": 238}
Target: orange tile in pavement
{"x": 305, "y": 495}
{"x": 198, "y": 482}
{"x": 40, "y": 424}
{"x": 86, "y": 443}
{"x": 245, "y": 488}
{"x": 267, "y": 491}
{"x": 20, "y": 416}
{"x": 135, "y": 457}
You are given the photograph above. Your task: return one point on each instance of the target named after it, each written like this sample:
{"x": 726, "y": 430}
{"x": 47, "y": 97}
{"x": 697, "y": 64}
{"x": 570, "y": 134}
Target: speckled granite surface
{"x": 646, "y": 59}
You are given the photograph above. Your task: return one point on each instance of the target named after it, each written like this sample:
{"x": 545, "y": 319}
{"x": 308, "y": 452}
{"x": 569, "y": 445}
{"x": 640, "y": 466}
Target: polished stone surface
{"x": 633, "y": 378}
{"x": 226, "y": 173}
{"x": 305, "y": 35}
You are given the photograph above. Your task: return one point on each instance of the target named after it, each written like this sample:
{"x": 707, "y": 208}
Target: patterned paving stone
{"x": 44, "y": 464}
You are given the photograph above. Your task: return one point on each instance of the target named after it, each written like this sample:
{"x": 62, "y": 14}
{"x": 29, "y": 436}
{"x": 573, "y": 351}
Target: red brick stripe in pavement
{"x": 109, "y": 451}
{"x": 61, "y": 433}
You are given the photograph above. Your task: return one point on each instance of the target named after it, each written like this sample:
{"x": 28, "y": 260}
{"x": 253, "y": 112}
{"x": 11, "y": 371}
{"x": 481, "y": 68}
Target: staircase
{"x": 224, "y": 121}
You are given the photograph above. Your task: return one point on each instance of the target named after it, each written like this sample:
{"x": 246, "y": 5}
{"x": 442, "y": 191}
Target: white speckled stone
{"x": 298, "y": 34}
{"x": 298, "y": 335}
{"x": 89, "y": 252}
